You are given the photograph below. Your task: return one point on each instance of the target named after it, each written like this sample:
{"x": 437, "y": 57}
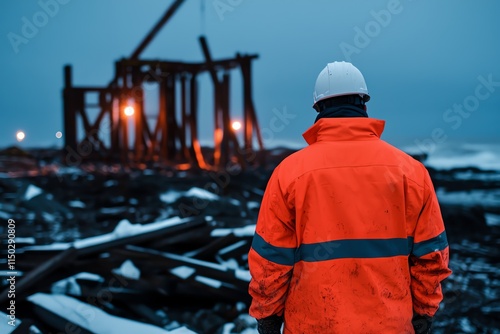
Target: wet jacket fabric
{"x": 350, "y": 237}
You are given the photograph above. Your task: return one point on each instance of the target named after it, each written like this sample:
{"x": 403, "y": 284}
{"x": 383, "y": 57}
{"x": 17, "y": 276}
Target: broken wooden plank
{"x": 209, "y": 250}
{"x": 238, "y": 277}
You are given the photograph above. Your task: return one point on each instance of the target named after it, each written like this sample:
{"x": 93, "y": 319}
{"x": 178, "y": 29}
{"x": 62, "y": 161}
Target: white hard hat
{"x": 337, "y": 79}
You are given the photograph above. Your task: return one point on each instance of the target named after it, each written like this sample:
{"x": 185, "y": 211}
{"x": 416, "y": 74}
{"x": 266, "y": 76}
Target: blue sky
{"x": 419, "y": 62}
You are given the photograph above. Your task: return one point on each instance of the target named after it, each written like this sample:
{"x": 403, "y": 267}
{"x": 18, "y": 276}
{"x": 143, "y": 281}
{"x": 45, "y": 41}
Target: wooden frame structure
{"x": 173, "y": 138}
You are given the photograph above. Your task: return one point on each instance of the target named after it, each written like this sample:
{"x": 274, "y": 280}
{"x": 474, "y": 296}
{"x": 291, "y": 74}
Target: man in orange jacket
{"x": 350, "y": 237}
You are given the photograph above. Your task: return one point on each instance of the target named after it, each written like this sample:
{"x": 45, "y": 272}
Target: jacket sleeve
{"x": 429, "y": 256}
{"x": 272, "y": 255}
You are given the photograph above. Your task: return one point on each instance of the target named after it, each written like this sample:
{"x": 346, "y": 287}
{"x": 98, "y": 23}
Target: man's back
{"x": 349, "y": 236}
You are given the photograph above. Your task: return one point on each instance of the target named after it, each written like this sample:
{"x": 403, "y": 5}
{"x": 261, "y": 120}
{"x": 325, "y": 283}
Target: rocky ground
{"x": 470, "y": 204}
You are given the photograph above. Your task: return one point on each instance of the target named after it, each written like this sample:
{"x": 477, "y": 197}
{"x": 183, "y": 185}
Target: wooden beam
{"x": 157, "y": 27}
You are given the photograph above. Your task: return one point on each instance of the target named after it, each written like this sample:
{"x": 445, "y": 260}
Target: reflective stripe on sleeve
{"x": 435, "y": 244}
{"x": 280, "y": 255}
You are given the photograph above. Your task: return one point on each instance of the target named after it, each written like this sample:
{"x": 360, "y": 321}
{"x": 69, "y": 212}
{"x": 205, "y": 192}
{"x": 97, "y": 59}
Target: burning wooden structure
{"x": 123, "y": 132}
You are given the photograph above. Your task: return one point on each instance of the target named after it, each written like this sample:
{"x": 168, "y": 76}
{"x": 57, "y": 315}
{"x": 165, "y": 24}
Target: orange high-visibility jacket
{"x": 350, "y": 237}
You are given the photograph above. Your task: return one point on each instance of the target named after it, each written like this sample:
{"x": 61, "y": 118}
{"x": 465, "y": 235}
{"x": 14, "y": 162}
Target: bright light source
{"x": 58, "y": 134}
{"x": 129, "y": 111}
{"x": 20, "y": 135}
{"x": 236, "y": 125}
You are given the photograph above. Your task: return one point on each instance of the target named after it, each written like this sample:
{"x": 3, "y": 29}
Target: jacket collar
{"x": 343, "y": 129}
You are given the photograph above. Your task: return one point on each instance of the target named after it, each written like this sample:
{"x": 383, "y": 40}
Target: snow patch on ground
{"x": 5, "y": 215}
{"x": 243, "y": 275}
{"x": 247, "y": 231}
{"x": 170, "y": 196}
{"x": 76, "y": 204}
{"x": 208, "y": 281}
{"x": 182, "y": 271}
{"x": 31, "y": 192}
{"x": 466, "y": 326}
{"x": 128, "y": 270}
{"x": 253, "y": 205}
{"x": 7, "y": 273}
{"x": 70, "y": 285}
{"x": 25, "y": 240}
{"x": 232, "y": 247}
{"x": 181, "y": 330}
{"x": 492, "y": 219}
{"x": 201, "y": 193}
{"x": 113, "y": 210}
{"x": 110, "y": 183}
{"x": 230, "y": 264}
{"x": 173, "y": 195}
{"x": 123, "y": 229}
{"x": 94, "y": 319}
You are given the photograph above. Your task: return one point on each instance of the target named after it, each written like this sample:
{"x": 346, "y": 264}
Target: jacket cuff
{"x": 421, "y": 323}
{"x": 270, "y": 325}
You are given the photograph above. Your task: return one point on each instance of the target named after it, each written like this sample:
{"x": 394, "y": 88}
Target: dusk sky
{"x": 432, "y": 67}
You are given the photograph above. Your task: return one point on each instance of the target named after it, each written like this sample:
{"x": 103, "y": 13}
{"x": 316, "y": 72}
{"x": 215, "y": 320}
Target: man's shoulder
{"x": 296, "y": 159}
{"x": 409, "y": 163}
{"x": 413, "y": 159}
{"x": 292, "y": 165}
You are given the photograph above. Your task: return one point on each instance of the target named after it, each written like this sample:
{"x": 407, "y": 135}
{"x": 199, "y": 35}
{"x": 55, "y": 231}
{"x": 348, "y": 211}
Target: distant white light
{"x": 236, "y": 125}
{"x": 58, "y": 134}
{"x": 129, "y": 111}
{"x": 20, "y": 135}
